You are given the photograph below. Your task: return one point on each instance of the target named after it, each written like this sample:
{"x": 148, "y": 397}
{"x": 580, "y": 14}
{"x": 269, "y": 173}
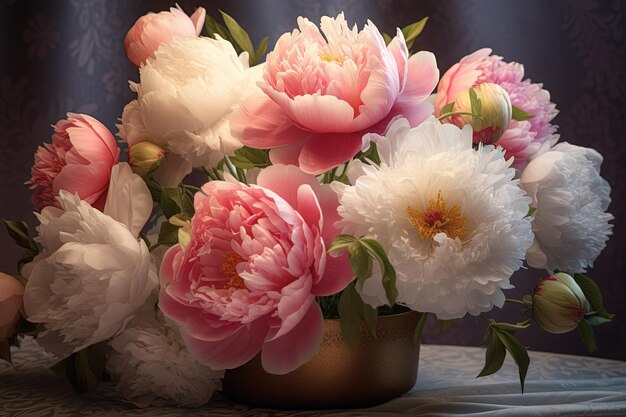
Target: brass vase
{"x": 379, "y": 369}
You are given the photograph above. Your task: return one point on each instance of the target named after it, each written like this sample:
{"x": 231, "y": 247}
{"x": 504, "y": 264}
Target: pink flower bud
{"x": 145, "y": 157}
{"x": 558, "y": 303}
{"x": 496, "y": 112}
{"x": 153, "y": 29}
{"x": 11, "y": 292}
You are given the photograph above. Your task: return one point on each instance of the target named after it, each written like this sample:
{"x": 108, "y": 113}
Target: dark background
{"x": 59, "y": 56}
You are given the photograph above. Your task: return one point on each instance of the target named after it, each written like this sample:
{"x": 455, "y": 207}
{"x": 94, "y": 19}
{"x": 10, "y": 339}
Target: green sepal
{"x": 476, "y": 104}
{"x": 591, "y": 291}
{"x": 448, "y": 108}
{"x": 519, "y": 114}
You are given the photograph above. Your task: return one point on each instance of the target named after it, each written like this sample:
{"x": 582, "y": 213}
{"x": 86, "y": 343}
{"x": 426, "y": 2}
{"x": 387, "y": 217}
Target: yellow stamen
{"x": 230, "y": 260}
{"x": 331, "y": 58}
{"x": 438, "y": 218}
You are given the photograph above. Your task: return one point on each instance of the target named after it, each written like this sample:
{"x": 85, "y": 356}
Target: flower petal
{"x": 287, "y": 353}
{"x": 261, "y": 123}
{"x": 325, "y": 151}
{"x": 232, "y": 351}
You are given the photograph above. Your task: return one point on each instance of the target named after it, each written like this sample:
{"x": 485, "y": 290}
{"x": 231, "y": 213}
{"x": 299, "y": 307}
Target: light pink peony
{"x": 522, "y": 139}
{"x": 79, "y": 160}
{"x": 248, "y": 279}
{"x": 322, "y": 93}
{"x": 11, "y": 292}
{"x": 153, "y": 29}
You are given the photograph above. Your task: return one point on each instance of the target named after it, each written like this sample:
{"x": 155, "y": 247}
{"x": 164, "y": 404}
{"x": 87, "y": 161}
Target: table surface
{"x": 446, "y": 386}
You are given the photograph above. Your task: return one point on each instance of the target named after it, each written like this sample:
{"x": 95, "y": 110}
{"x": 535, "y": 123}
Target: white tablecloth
{"x": 446, "y": 386}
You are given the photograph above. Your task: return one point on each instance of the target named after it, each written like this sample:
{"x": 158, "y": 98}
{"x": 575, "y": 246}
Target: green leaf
{"x": 210, "y": 25}
{"x": 444, "y": 325}
{"x": 247, "y": 158}
{"x": 155, "y": 189}
{"x": 448, "y": 108}
{"x": 588, "y": 337}
{"x": 412, "y": 31}
{"x": 171, "y": 202}
{"x": 361, "y": 262}
{"x": 350, "y": 306}
{"x": 387, "y": 270}
{"x": 369, "y": 315}
{"x": 239, "y": 35}
{"x": 494, "y": 357}
{"x": 84, "y": 369}
{"x": 591, "y": 291}
{"x": 18, "y": 230}
{"x": 603, "y": 313}
{"x": 260, "y": 50}
{"x": 341, "y": 242}
{"x": 518, "y": 352}
{"x": 187, "y": 204}
{"x": 168, "y": 234}
{"x": 520, "y": 115}
{"x": 419, "y": 328}
{"x": 387, "y": 38}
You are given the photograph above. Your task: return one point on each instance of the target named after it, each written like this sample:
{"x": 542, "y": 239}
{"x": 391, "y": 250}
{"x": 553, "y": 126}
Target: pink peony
{"x": 321, "y": 94}
{"x": 153, "y": 29}
{"x": 78, "y": 160}
{"x": 249, "y": 276}
{"x": 522, "y": 139}
{"x": 11, "y": 292}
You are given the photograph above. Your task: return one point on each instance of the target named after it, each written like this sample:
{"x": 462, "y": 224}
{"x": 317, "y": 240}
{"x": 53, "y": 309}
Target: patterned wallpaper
{"x": 68, "y": 56}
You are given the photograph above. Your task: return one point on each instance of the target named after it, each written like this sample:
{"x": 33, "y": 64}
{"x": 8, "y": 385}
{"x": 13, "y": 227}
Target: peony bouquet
{"x": 246, "y": 201}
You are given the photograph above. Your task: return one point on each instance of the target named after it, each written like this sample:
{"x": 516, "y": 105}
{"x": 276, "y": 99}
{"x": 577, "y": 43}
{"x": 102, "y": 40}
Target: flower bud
{"x": 558, "y": 303}
{"x": 496, "y": 112}
{"x": 11, "y": 293}
{"x": 145, "y": 157}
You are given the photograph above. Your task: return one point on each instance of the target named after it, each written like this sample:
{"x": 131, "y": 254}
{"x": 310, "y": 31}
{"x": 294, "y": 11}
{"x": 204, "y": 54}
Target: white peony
{"x": 451, "y": 218}
{"x": 184, "y": 101}
{"x": 152, "y": 366}
{"x": 571, "y": 224}
{"x": 93, "y": 271}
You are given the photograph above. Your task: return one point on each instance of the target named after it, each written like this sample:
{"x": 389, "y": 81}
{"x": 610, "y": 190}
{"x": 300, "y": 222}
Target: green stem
{"x": 459, "y": 113}
{"x": 512, "y": 301}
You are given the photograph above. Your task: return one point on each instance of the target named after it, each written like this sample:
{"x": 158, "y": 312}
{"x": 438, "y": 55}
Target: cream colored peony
{"x": 152, "y": 366}
{"x": 93, "y": 272}
{"x": 184, "y": 101}
{"x": 451, "y": 218}
{"x": 571, "y": 224}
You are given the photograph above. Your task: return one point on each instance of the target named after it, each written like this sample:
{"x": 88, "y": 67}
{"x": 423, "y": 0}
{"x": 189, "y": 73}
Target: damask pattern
{"x": 446, "y": 386}
{"x": 69, "y": 56}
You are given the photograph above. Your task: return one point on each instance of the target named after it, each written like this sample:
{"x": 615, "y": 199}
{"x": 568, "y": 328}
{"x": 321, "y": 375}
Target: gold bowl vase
{"x": 376, "y": 370}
